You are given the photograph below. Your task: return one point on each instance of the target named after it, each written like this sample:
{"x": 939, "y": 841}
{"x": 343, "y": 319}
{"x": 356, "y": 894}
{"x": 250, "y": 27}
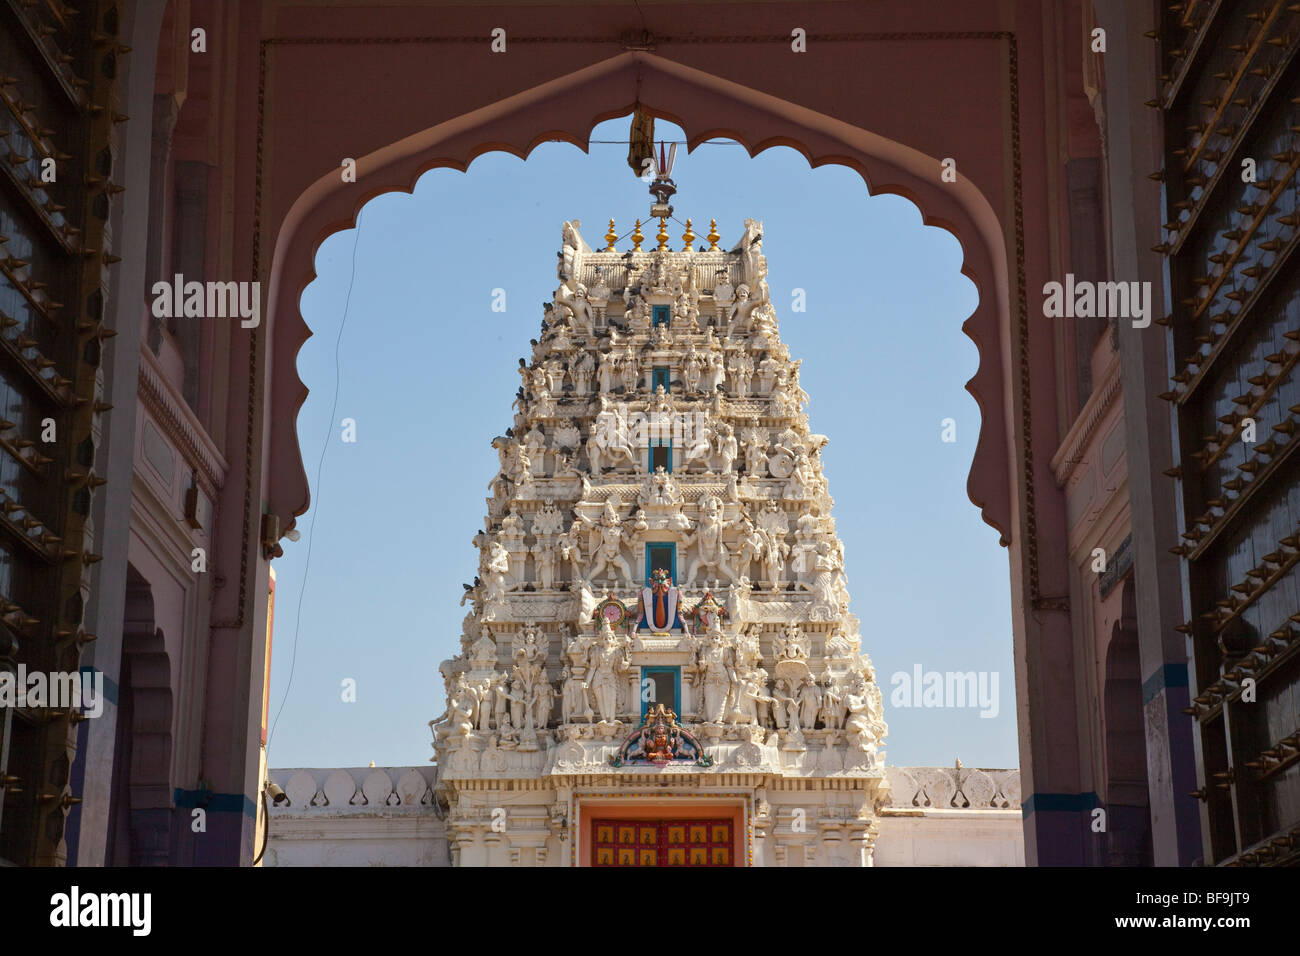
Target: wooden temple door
{"x": 663, "y": 843}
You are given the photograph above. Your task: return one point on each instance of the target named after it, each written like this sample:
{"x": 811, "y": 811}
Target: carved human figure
{"x": 833, "y": 710}
{"x": 697, "y": 446}
{"x": 825, "y": 583}
{"x": 767, "y": 372}
{"x": 755, "y": 453}
{"x": 714, "y": 372}
{"x": 628, "y": 370}
{"x": 608, "y": 443}
{"x": 521, "y": 713}
{"x": 578, "y": 307}
{"x": 569, "y": 546}
{"x": 692, "y": 366}
{"x": 497, "y": 569}
{"x": 774, "y": 551}
{"x": 483, "y": 703}
{"x": 725, "y": 447}
{"x": 544, "y": 561}
{"x": 608, "y": 369}
{"x": 859, "y": 726}
{"x": 581, "y": 372}
{"x": 717, "y": 676}
{"x": 750, "y": 547}
{"x": 543, "y": 701}
{"x": 535, "y": 447}
{"x": 607, "y": 664}
{"x": 741, "y": 307}
{"x": 461, "y": 707}
{"x": 710, "y": 552}
{"x": 573, "y": 698}
{"x": 810, "y": 702}
{"x": 741, "y": 368}
{"x": 609, "y": 535}
{"x": 763, "y": 702}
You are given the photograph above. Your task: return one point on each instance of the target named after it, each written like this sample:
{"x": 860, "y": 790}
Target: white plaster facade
{"x": 364, "y": 817}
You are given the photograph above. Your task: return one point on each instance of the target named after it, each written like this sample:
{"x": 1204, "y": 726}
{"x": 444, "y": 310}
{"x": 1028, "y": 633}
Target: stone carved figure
{"x": 497, "y": 568}
{"x": 629, "y": 371}
{"x": 570, "y": 246}
{"x": 825, "y": 586}
{"x": 578, "y": 307}
{"x": 717, "y": 675}
{"x": 607, "y": 663}
{"x": 725, "y": 447}
{"x": 741, "y": 368}
{"x": 739, "y": 313}
{"x": 710, "y": 551}
{"x": 697, "y": 446}
{"x": 692, "y": 367}
{"x": 608, "y": 368}
{"x": 573, "y": 697}
{"x": 581, "y": 371}
{"x": 750, "y": 546}
{"x": 608, "y": 443}
{"x": 606, "y": 540}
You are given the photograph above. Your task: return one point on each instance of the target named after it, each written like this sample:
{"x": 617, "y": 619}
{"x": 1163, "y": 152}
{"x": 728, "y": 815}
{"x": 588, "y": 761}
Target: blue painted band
{"x": 111, "y": 690}
{"x": 1058, "y": 803}
{"x": 215, "y": 802}
{"x": 1171, "y": 675}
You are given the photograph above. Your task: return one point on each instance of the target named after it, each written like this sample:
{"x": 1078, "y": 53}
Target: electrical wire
{"x": 334, "y": 405}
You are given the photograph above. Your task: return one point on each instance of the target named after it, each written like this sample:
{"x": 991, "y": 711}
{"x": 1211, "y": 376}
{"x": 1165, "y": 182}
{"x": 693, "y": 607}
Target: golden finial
{"x": 713, "y": 236}
{"x": 610, "y": 237}
{"x": 688, "y": 237}
{"x": 637, "y": 238}
{"x": 662, "y": 234}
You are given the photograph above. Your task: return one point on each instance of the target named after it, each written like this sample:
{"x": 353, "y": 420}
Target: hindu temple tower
{"x": 660, "y": 665}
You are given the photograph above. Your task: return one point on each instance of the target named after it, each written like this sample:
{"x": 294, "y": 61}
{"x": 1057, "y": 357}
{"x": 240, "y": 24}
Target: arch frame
{"x": 520, "y": 123}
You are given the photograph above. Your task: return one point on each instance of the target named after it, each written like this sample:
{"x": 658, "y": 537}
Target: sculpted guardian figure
{"x": 606, "y": 544}
{"x": 711, "y": 552}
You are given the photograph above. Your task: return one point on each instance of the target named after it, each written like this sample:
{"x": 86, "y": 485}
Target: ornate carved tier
{"x": 660, "y": 591}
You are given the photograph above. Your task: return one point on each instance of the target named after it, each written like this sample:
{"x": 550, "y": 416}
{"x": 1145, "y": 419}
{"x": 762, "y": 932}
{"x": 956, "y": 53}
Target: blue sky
{"x": 427, "y": 371}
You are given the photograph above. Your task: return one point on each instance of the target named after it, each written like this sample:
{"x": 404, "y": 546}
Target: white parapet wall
{"x": 951, "y": 816}
{"x": 387, "y": 816}
{"x": 357, "y": 816}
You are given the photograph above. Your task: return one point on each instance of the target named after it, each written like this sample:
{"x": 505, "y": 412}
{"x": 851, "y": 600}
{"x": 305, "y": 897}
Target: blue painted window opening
{"x": 661, "y": 685}
{"x": 661, "y": 453}
{"x": 661, "y": 555}
{"x": 661, "y": 315}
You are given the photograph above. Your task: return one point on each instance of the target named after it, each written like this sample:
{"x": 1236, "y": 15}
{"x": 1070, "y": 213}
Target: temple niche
{"x": 659, "y": 640}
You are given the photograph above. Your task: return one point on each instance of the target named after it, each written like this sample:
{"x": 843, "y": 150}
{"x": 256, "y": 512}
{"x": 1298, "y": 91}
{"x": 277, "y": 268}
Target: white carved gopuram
{"x": 659, "y": 665}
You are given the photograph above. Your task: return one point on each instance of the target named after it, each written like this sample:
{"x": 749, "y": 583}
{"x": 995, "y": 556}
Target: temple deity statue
{"x": 710, "y": 550}
{"x": 607, "y": 664}
{"x": 606, "y": 544}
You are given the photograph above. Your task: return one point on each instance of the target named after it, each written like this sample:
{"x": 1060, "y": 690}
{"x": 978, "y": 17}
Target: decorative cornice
{"x": 1081, "y": 432}
{"x": 180, "y": 424}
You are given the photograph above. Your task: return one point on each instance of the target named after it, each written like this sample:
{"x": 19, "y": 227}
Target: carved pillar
{"x": 462, "y": 842}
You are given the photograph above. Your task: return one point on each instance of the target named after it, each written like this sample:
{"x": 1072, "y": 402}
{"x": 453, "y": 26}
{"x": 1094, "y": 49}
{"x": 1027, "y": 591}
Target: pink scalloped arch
{"x": 694, "y": 100}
